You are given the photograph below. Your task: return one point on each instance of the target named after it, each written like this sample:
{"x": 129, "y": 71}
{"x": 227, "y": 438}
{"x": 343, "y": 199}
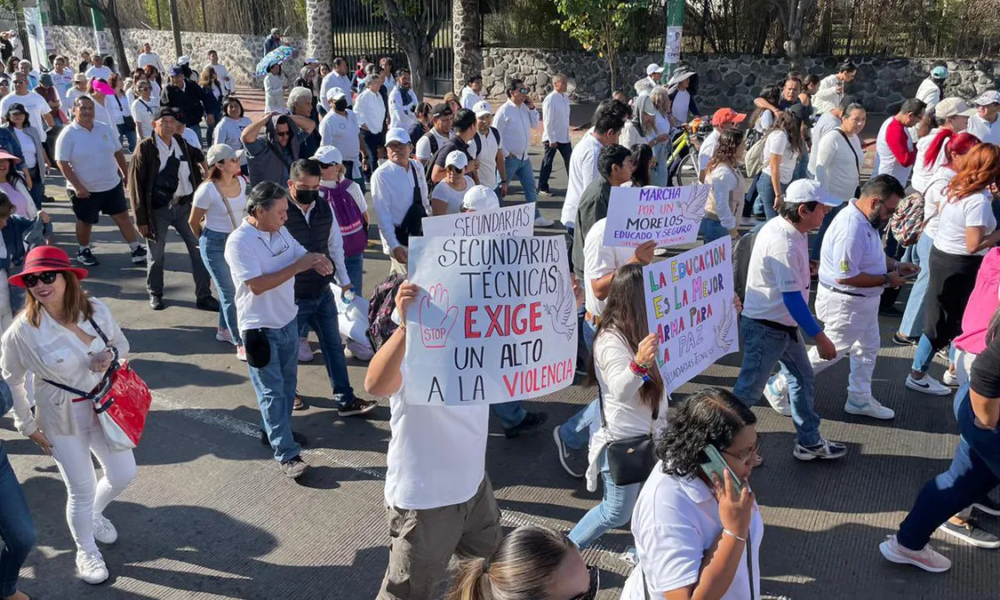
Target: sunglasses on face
{"x": 595, "y": 585}
{"x": 283, "y": 133}
{"x": 48, "y": 277}
{"x": 523, "y": 90}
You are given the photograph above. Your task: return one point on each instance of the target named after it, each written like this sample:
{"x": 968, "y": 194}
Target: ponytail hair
{"x": 934, "y": 150}
{"x": 521, "y": 568}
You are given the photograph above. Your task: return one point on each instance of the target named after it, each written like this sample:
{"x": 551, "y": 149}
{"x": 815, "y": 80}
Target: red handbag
{"x": 121, "y": 401}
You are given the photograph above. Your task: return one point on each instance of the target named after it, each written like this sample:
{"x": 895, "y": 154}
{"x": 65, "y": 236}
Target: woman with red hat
{"x": 60, "y": 338}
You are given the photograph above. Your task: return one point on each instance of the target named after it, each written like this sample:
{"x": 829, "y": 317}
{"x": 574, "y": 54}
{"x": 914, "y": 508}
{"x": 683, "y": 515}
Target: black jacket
{"x": 188, "y": 100}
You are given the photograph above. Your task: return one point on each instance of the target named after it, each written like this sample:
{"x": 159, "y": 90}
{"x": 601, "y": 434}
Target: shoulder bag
{"x": 225, "y": 201}
{"x": 630, "y": 460}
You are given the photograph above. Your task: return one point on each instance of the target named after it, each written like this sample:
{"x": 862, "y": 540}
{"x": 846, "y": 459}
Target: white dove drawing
{"x": 694, "y": 208}
{"x": 563, "y": 315}
{"x": 724, "y": 330}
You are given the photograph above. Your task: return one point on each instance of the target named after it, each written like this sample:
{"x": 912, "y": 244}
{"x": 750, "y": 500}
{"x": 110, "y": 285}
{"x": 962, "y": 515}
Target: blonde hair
{"x": 76, "y": 305}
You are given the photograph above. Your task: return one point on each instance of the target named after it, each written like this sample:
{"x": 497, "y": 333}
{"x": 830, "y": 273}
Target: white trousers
{"x": 88, "y": 497}
{"x": 851, "y": 323}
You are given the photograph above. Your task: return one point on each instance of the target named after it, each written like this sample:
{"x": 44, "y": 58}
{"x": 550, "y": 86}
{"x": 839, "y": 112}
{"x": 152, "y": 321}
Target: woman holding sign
{"x": 725, "y": 200}
{"x": 633, "y": 402}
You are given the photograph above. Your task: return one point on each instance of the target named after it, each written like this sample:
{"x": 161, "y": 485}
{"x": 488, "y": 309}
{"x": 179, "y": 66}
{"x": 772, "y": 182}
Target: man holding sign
{"x": 776, "y": 305}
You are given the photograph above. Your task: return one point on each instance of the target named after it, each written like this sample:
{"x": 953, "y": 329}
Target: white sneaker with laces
{"x": 104, "y": 530}
{"x": 90, "y": 567}
{"x": 928, "y": 385}
{"x": 776, "y": 393}
{"x": 867, "y": 406}
{"x": 223, "y": 335}
{"x": 305, "y": 352}
{"x": 927, "y": 559}
{"x": 950, "y": 379}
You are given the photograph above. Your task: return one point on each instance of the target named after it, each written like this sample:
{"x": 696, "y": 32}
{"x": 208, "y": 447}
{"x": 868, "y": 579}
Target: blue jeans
{"x": 711, "y": 230}
{"x": 213, "y": 246}
{"x": 802, "y": 167}
{"x": 913, "y": 319}
{"x": 615, "y": 508}
{"x": 355, "y": 270}
{"x": 274, "y": 385}
{"x": 17, "y": 530}
{"x": 524, "y": 172}
{"x": 575, "y": 432}
{"x": 817, "y": 247}
{"x": 924, "y": 355}
{"x": 320, "y": 313}
{"x": 974, "y": 471}
{"x": 658, "y": 175}
{"x": 129, "y": 133}
{"x": 511, "y": 413}
{"x": 763, "y": 348}
{"x": 765, "y": 194}
{"x": 37, "y": 190}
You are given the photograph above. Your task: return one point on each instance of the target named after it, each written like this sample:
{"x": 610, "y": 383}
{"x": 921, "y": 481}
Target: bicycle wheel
{"x": 687, "y": 173}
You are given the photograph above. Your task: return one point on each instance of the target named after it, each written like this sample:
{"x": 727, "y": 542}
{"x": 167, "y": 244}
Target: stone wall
{"x": 734, "y": 80}
{"x": 239, "y": 53}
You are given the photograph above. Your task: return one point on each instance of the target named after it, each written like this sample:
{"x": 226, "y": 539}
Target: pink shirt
{"x": 982, "y": 305}
{"x": 17, "y": 199}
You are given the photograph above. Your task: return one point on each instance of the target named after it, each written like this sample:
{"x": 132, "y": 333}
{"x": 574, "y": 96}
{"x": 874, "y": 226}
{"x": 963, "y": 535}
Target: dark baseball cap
{"x": 166, "y": 111}
{"x": 441, "y": 109}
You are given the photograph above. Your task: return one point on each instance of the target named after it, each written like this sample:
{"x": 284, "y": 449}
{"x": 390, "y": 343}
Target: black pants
{"x": 547, "y": 158}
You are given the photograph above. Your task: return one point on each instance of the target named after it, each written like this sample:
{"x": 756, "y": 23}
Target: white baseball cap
{"x": 335, "y": 94}
{"x": 311, "y": 61}
{"x": 809, "y": 190}
{"x": 480, "y": 198}
{"x": 953, "y": 107}
{"x": 398, "y": 135}
{"x": 987, "y": 98}
{"x": 457, "y": 159}
{"x": 653, "y": 68}
{"x": 328, "y": 155}
{"x": 183, "y": 60}
{"x": 482, "y": 108}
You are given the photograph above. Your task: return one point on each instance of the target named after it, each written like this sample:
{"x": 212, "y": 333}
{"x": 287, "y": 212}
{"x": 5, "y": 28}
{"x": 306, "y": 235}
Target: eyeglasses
{"x": 523, "y": 90}
{"x": 144, "y": 88}
{"x": 283, "y": 133}
{"x": 745, "y": 457}
{"x": 48, "y": 277}
{"x": 268, "y": 246}
{"x": 595, "y": 585}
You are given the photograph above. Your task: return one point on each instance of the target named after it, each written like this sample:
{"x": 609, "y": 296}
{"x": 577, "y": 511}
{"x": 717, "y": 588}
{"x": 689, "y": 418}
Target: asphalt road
{"x": 210, "y": 516}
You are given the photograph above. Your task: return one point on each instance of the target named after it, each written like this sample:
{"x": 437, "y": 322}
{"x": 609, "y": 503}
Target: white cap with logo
{"x": 482, "y": 108}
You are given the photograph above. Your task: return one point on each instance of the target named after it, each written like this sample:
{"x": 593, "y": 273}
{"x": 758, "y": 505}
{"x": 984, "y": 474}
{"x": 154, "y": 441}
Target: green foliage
{"x": 601, "y": 26}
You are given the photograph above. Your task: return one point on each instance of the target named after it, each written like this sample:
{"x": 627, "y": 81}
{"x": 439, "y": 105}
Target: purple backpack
{"x": 352, "y": 225}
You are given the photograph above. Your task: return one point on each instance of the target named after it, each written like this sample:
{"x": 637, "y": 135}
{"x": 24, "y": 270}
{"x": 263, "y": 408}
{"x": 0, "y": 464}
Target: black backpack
{"x": 429, "y": 165}
{"x": 381, "y": 306}
{"x": 741, "y": 263}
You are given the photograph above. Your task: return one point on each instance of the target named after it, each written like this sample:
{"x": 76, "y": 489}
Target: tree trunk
{"x": 415, "y": 39}
{"x": 115, "y": 25}
{"x": 175, "y": 26}
{"x": 793, "y": 49}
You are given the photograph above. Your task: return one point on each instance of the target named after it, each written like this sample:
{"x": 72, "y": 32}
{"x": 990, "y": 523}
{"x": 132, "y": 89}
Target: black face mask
{"x": 306, "y": 196}
{"x": 340, "y": 105}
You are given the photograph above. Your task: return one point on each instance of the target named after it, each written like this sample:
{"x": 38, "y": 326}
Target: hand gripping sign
{"x": 495, "y": 320}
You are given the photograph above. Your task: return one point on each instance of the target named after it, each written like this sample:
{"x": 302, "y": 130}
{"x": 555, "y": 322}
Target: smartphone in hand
{"x": 715, "y": 464}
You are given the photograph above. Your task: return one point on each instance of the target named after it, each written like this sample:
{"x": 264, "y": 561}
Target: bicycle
{"x": 685, "y": 148}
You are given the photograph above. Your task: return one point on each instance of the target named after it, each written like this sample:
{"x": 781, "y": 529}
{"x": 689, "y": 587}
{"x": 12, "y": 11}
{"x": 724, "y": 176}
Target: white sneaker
{"x": 359, "y": 350}
{"x": 104, "y": 530}
{"x": 543, "y": 222}
{"x": 867, "y": 406}
{"x": 776, "y": 393}
{"x": 927, "y": 559}
{"x": 949, "y": 379}
{"x": 305, "y": 352}
{"x": 927, "y": 385}
{"x": 90, "y": 567}
{"x": 241, "y": 353}
{"x": 223, "y": 335}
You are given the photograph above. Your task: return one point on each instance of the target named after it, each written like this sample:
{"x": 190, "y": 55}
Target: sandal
{"x": 299, "y": 404}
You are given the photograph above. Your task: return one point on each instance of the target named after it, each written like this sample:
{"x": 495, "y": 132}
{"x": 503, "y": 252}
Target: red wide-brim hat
{"x": 42, "y": 259}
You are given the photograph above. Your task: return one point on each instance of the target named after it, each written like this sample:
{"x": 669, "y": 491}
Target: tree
{"x": 794, "y": 15}
{"x": 415, "y": 24}
{"x": 601, "y": 26}
{"x": 109, "y": 10}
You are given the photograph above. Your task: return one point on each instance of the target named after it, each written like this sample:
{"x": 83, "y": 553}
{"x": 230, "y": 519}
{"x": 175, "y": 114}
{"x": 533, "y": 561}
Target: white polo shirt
{"x": 34, "y": 104}
{"x": 424, "y": 151}
{"x": 851, "y": 246}
{"x": 598, "y": 261}
{"x": 488, "y": 157}
{"x": 91, "y": 154}
{"x": 392, "y": 195}
{"x": 674, "y": 523}
{"x": 988, "y": 133}
{"x": 251, "y": 253}
{"x": 582, "y": 170}
{"x": 515, "y": 124}
{"x": 779, "y": 263}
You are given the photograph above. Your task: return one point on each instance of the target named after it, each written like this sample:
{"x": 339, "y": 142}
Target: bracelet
{"x": 639, "y": 370}
{"x": 733, "y": 535}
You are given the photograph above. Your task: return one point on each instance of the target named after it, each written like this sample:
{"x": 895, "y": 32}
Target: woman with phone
{"x": 697, "y": 534}
{"x": 632, "y": 396}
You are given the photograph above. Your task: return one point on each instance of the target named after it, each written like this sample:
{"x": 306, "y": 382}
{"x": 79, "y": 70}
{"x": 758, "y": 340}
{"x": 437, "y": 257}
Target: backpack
{"x": 479, "y": 140}
{"x": 429, "y": 166}
{"x": 741, "y": 263}
{"x": 908, "y": 222}
{"x": 349, "y": 218}
{"x": 752, "y": 137}
{"x": 754, "y": 159}
{"x": 381, "y": 307}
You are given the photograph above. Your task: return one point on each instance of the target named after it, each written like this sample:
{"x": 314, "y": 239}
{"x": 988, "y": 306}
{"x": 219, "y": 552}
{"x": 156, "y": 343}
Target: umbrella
{"x": 274, "y": 57}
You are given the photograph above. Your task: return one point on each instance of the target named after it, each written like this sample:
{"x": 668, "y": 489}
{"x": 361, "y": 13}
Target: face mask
{"x": 340, "y": 104}
{"x": 306, "y": 196}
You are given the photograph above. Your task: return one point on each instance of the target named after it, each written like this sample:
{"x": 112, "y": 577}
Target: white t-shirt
{"x": 451, "y": 196}
{"x": 631, "y": 136}
{"x": 34, "y": 104}
{"x": 142, "y": 113}
{"x": 708, "y": 149}
{"x": 582, "y": 170}
{"x": 436, "y": 456}
{"x": 838, "y": 163}
{"x": 975, "y": 210}
{"x": 28, "y": 149}
{"x": 491, "y": 143}
{"x": 598, "y": 261}
{"x": 424, "y": 151}
{"x": 779, "y": 263}
{"x": 922, "y": 174}
{"x": 764, "y": 121}
{"x": 825, "y": 124}
{"x": 251, "y": 253}
{"x": 934, "y": 198}
{"x": 191, "y": 138}
{"x": 674, "y": 523}
{"x": 207, "y": 197}
{"x": 91, "y": 154}
{"x": 851, "y": 246}
{"x": 777, "y": 143}
{"x": 101, "y": 72}
{"x": 342, "y": 132}
{"x": 929, "y": 93}
{"x": 681, "y": 105}
{"x": 986, "y": 132}
{"x": 723, "y": 180}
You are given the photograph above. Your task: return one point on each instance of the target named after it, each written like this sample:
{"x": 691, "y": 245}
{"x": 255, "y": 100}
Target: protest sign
{"x": 495, "y": 320}
{"x": 689, "y": 306}
{"x": 670, "y": 216}
{"x": 516, "y": 220}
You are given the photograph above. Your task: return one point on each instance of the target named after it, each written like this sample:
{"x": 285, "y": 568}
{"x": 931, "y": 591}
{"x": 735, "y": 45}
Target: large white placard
{"x": 518, "y": 220}
{"x": 670, "y": 216}
{"x": 689, "y": 306}
{"x": 495, "y": 320}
